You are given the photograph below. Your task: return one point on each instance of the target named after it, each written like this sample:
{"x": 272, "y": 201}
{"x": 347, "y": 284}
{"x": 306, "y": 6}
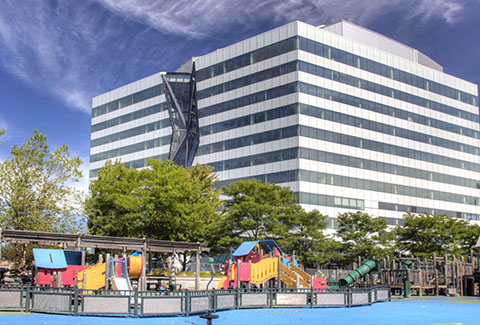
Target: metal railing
{"x": 157, "y": 303}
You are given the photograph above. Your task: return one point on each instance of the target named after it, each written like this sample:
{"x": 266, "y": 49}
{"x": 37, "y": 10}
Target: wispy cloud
{"x": 213, "y": 18}
{"x": 73, "y": 50}
{"x": 67, "y": 49}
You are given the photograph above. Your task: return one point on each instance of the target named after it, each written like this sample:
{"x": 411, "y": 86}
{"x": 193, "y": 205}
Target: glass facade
{"x": 348, "y": 127}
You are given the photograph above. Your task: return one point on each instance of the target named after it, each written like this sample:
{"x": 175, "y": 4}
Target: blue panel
{"x": 73, "y": 257}
{"x": 49, "y": 258}
{"x": 268, "y": 246}
{"x": 245, "y": 248}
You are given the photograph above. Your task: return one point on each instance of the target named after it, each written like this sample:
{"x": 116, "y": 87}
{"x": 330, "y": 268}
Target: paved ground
{"x": 454, "y": 311}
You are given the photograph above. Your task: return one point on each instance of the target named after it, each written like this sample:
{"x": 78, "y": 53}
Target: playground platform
{"x": 428, "y": 310}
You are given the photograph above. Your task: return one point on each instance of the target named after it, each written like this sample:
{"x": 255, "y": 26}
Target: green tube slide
{"x": 365, "y": 268}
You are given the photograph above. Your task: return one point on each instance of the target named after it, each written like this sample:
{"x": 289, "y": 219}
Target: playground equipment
{"x": 365, "y": 268}
{"x": 57, "y": 267}
{"x": 263, "y": 264}
{"x": 116, "y": 272}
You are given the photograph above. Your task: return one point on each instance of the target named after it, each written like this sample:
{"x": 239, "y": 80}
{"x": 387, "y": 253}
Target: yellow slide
{"x": 264, "y": 270}
{"x": 95, "y": 277}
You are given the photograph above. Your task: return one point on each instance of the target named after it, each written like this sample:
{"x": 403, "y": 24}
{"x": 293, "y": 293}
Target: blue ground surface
{"x": 425, "y": 311}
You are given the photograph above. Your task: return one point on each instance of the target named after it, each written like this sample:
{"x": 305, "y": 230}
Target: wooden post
{"x": 83, "y": 258}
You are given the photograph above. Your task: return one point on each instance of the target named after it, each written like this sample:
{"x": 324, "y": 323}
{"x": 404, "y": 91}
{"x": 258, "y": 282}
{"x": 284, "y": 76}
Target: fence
{"x": 155, "y": 303}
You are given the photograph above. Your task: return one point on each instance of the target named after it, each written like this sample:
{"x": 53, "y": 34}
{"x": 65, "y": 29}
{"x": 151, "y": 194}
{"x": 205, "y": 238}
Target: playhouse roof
{"x": 49, "y": 258}
{"x": 246, "y": 247}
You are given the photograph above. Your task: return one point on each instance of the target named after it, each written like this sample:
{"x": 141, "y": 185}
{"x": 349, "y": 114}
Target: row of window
{"x": 376, "y": 186}
{"x": 249, "y": 58}
{"x": 414, "y": 209}
{"x": 250, "y": 79}
{"x": 339, "y": 77}
{"x": 127, "y": 100}
{"x": 130, "y": 117}
{"x": 339, "y": 159}
{"x": 335, "y": 54}
{"x": 386, "y": 148}
{"x": 154, "y": 143}
{"x": 384, "y": 70}
{"x": 338, "y": 97}
{"x": 384, "y": 90}
{"x": 249, "y": 99}
{"x": 330, "y": 201}
{"x": 150, "y": 127}
{"x": 382, "y": 109}
{"x": 335, "y": 138}
{"x": 386, "y": 129}
{"x": 245, "y": 120}
{"x": 358, "y": 183}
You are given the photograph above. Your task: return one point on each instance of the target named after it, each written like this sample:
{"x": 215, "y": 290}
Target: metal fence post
{"x": 237, "y": 296}
{"x": 349, "y": 297}
{"x": 312, "y": 295}
{"x": 187, "y": 303}
{"x": 75, "y": 301}
{"x": 135, "y": 304}
{"x": 27, "y": 299}
{"x": 270, "y": 291}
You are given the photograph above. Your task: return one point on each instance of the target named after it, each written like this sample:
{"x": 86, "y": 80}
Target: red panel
{"x": 256, "y": 257}
{"x": 245, "y": 271}
{"x": 69, "y": 276}
{"x": 320, "y": 283}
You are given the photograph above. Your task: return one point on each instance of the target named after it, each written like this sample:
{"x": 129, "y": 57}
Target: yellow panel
{"x": 222, "y": 282}
{"x": 264, "y": 270}
{"x": 95, "y": 277}
{"x": 136, "y": 265}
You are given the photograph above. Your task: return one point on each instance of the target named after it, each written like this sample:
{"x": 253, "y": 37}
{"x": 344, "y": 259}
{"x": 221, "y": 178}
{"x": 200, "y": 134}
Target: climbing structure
{"x": 262, "y": 263}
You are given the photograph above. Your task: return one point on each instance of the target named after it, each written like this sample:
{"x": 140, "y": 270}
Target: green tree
{"x": 308, "y": 240}
{"x": 164, "y": 201}
{"x": 35, "y": 188}
{"x": 425, "y": 234}
{"x": 363, "y": 236}
{"x": 255, "y": 211}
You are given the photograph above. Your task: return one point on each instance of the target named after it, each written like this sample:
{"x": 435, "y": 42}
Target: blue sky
{"x": 56, "y": 55}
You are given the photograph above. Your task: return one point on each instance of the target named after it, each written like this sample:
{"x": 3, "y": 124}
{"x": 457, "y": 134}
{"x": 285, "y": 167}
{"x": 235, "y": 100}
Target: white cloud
{"x": 73, "y": 50}
{"x": 213, "y": 18}
{"x": 57, "y": 47}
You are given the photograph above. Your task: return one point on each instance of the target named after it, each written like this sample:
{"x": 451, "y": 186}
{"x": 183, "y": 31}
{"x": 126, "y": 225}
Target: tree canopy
{"x": 164, "y": 201}
{"x": 309, "y": 241}
{"x": 35, "y": 187}
{"x": 256, "y": 210}
{"x": 362, "y": 235}
{"x": 425, "y": 234}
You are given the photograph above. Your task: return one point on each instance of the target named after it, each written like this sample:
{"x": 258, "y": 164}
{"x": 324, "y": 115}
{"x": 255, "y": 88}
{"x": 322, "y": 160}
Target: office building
{"x": 347, "y": 118}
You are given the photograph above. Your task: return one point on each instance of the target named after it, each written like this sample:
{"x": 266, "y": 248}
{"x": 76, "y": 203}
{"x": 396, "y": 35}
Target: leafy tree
{"x": 255, "y": 211}
{"x": 425, "y": 234}
{"x": 35, "y": 191}
{"x": 115, "y": 204}
{"x": 164, "y": 201}
{"x": 362, "y": 236}
{"x": 308, "y": 240}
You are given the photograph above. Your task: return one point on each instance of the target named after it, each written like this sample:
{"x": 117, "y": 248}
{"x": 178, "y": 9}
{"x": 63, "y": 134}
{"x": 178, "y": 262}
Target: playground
{"x": 431, "y": 310}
